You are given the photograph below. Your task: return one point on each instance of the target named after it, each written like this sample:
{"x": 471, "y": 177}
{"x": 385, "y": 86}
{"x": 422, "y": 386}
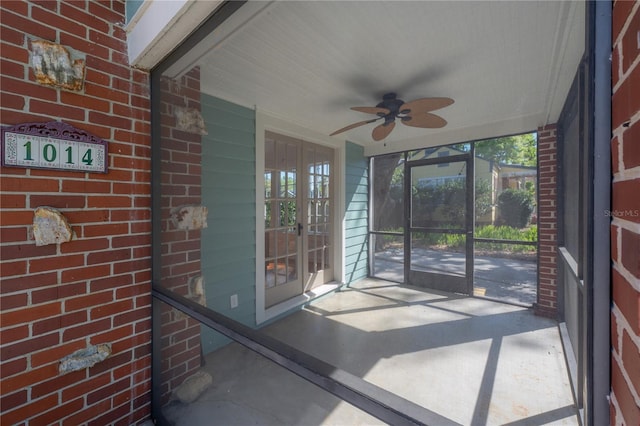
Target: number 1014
{"x": 50, "y": 154}
{"x": 59, "y": 154}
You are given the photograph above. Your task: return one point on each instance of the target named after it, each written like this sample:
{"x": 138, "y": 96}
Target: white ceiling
{"x": 507, "y": 64}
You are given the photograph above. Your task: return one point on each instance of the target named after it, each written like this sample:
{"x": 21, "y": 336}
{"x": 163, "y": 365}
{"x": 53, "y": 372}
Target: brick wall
{"x": 547, "y": 303}
{"x": 181, "y": 185}
{"x": 625, "y": 212}
{"x": 57, "y": 299}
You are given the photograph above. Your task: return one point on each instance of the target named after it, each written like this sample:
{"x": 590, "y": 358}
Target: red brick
{"x": 31, "y": 345}
{"x": 625, "y": 103}
{"x": 14, "y": 400}
{"x": 85, "y": 216}
{"x": 113, "y": 415}
{"x": 88, "y": 301}
{"x": 58, "y": 322}
{"x": 56, "y": 110}
{"x": 631, "y": 146}
{"x": 12, "y": 36}
{"x": 80, "y": 274}
{"x": 17, "y": 184}
{"x": 631, "y": 360}
{"x": 615, "y": 162}
{"x": 13, "y": 235}
{"x": 136, "y": 265}
{"x": 614, "y": 334}
{"x": 108, "y": 256}
{"x": 114, "y": 361}
{"x": 625, "y": 202}
{"x": 88, "y": 19}
{"x": 13, "y": 201}
{"x": 614, "y": 243}
{"x": 105, "y": 93}
{"x": 109, "y": 202}
{"x": 85, "y": 386}
{"x": 58, "y": 413}
{"x": 89, "y": 103}
{"x": 10, "y": 285}
{"x": 630, "y": 251}
{"x": 22, "y": 413}
{"x": 57, "y": 21}
{"x": 111, "y": 309}
{"x": 29, "y": 314}
{"x": 14, "y": 367}
{"x": 28, "y": 26}
{"x": 12, "y": 101}
{"x": 122, "y": 148}
{"x": 8, "y": 269}
{"x": 621, "y": 13}
{"x": 106, "y": 13}
{"x": 52, "y": 263}
{"x": 14, "y": 301}
{"x": 111, "y": 282}
{"x": 83, "y": 246}
{"x": 82, "y": 416}
{"x": 28, "y": 378}
{"x": 12, "y": 117}
{"x": 630, "y": 48}
{"x": 629, "y": 409}
{"x": 105, "y": 230}
{"x": 83, "y": 330}
{"x": 16, "y": 70}
{"x": 97, "y": 77}
{"x": 14, "y": 334}
{"x": 627, "y": 299}
{"x": 59, "y": 382}
{"x": 108, "y": 41}
{"x": 10, "y": 218}
{"x": 83, "y": 45}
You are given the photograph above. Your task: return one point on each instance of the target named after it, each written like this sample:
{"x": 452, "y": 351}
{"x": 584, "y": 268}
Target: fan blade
{"x": 372, "y": 110}
{"x": 382, "y": 131}
{"x": 424, "y": 120}
{"x": 353, "y": 126}
{"x": 425, "y": 105}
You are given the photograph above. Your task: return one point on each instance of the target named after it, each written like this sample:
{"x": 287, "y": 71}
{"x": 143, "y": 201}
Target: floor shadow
{"x": 474, "y": 361}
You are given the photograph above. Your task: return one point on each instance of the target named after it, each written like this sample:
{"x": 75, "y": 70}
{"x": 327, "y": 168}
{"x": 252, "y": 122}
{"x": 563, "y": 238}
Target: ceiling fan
{"x": 415, "y": 114}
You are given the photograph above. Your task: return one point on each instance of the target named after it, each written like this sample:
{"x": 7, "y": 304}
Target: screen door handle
{"x": 299, "y": 229}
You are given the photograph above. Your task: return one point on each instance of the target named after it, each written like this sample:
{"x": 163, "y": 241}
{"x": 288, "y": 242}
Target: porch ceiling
{"x": 507, "y": 65}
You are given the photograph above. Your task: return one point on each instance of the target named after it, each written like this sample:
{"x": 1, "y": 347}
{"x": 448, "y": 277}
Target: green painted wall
{"x": 228, "y": 190}
{"x": 356, "y": 213}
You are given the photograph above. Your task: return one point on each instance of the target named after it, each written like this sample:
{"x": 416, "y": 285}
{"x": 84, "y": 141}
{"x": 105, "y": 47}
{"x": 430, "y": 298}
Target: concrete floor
{"x": 511, "y": 280}
{"x": 472, "y": 360}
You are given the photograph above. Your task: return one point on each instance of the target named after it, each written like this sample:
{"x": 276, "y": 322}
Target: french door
{"x": 298, "y": 219}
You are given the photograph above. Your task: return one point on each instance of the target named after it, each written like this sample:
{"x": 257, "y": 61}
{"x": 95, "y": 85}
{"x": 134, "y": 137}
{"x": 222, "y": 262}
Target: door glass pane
{"x": 281, "y": 217}
{"x": 319, "y": 248}
{"x": 438, "y": 196}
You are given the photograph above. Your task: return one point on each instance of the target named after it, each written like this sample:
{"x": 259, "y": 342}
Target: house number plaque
{"x": 53, "y": 145}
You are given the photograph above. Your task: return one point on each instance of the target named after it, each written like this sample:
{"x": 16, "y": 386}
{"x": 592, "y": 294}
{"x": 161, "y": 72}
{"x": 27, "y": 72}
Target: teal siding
{"x": 131, "y": 7}
{"x": 356, "y": 213}
{"x": 229, "y": 192}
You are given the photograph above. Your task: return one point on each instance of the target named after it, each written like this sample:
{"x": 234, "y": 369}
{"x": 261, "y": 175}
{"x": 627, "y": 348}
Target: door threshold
{"x": 299, "y": 301}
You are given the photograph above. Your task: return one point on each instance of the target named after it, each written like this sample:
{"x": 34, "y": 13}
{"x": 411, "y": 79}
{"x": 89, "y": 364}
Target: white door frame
{"x": 265, "y": 123}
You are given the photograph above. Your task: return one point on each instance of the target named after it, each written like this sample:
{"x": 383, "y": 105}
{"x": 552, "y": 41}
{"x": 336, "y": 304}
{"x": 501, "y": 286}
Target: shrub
{"x": 515, "y": 207}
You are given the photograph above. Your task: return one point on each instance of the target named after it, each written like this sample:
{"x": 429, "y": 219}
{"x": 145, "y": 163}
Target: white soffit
{"x": 161, "y": 25}
{"x": 508, "y": 65}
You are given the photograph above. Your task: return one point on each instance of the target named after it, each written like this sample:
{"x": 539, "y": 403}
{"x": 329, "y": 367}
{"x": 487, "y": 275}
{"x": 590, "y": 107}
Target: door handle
{"x": 299, "y": 229}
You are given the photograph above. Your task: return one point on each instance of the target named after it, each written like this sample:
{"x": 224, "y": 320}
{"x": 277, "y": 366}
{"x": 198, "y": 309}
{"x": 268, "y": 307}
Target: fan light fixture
{"x": 415, "y": 114}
